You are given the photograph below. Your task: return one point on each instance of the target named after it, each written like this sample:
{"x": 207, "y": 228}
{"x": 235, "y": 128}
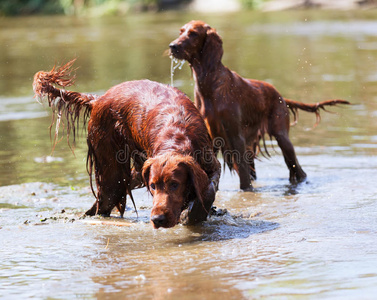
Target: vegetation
{"x": 27, "y": 7}
{"x": 252, "y": 4}
{"x": 70, "y": 7}
{"x": 93, "y": 7}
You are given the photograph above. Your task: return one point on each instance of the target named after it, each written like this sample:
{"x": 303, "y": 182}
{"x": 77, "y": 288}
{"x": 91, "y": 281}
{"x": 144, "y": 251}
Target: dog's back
{"x": 148, "y": 112}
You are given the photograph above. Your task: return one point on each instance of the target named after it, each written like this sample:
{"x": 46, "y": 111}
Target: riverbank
{"x": 318, "y": 4}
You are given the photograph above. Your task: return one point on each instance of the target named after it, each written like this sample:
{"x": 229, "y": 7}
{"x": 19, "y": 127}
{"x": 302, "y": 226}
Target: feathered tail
{"x": 71, "y": 104}
{"x": 294, "y": 106}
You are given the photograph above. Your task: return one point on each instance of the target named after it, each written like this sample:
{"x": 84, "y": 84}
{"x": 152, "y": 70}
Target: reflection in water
{"x": 287, "y": 189}
{"x": 315, "y": 239}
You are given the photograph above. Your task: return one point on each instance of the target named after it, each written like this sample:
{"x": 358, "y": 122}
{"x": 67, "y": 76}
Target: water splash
{"x": 175, "y": 63}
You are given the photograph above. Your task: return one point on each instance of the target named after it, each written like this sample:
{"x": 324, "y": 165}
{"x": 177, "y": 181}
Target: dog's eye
{"x": 193, "y": 34}
{"x": 153, "y": 186}
{"x": 173, "y": 186}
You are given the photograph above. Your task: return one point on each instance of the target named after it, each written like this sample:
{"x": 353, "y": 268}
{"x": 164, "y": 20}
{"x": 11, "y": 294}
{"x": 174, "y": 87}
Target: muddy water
{"x": 316, "y": 239}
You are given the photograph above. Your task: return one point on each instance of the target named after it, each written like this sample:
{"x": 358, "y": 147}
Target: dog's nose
{"x": 173, "y": 46}
{"x": 159, "y": 220}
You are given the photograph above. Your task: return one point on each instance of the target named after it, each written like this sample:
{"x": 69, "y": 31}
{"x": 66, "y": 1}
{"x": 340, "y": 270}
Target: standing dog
{"x": 156, "y": 127}
{"x": 239, "y": 111}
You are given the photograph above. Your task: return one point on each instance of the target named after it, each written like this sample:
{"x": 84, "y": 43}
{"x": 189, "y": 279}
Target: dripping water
{"x": 175, "y": 63}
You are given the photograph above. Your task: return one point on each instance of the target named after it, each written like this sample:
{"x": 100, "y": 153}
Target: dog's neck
{"x": 208, "y": 73}
{"x": 204, "y": 64}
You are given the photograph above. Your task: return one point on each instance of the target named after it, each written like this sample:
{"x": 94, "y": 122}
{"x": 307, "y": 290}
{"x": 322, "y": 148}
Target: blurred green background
{"x": 97, "y": 7}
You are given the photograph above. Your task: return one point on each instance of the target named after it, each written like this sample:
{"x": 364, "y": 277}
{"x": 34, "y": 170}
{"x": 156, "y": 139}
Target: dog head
{"x": 196, "y": 39}
{"x": 173, "y": 181}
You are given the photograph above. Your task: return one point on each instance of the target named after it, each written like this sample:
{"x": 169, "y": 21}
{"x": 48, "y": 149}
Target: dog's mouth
{"x": 162, "y": 221}
{"x": 167, "y": 219}
{"x": 170, "y": 219}
{"x": 175, "y": 51}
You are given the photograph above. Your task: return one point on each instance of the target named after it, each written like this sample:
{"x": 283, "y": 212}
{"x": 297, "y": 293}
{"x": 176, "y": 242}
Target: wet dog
{"x": 152, "y": 126}
{"x": 238, "y": 112}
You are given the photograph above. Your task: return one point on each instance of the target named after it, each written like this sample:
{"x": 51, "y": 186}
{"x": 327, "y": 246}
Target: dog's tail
{"x": 294, "y": 106}
{"x": 69, "y": 103}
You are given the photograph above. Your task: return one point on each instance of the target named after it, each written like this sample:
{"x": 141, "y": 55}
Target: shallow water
{"x": 316, "y": 239}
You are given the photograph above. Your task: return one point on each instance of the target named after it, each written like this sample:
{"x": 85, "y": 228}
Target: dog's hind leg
{"x": 111, "y": 190}
{"x": 279, "y": 128}
{"x": 113, "y": 177}
{"x": 296, "y": 173}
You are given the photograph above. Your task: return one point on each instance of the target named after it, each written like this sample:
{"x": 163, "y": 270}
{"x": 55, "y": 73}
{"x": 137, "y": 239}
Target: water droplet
{"x": 175, "y": 63}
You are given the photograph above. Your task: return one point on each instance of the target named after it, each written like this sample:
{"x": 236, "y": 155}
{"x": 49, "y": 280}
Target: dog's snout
{"x": 173, "y": 46}
{"x": 159, "y": 220}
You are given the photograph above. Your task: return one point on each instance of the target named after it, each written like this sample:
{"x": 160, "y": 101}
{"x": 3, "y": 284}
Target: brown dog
{"x": 238, "y": 112}
{"x": 156, "y": 127}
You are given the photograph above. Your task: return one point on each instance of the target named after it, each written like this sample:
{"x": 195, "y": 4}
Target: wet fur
{"x": 239, "y": 112}
{"x": 134, "y": 124}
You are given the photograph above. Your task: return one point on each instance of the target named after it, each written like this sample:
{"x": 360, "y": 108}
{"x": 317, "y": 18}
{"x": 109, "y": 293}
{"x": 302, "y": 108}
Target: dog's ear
{"x": 146, "y": 171}
{"x": 213, "y": 45}
{"x": 198, "y": 178}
